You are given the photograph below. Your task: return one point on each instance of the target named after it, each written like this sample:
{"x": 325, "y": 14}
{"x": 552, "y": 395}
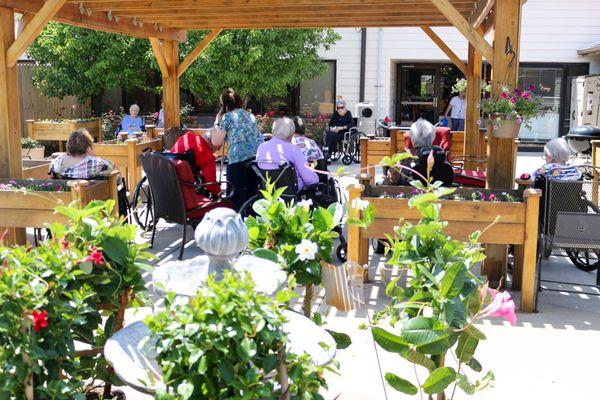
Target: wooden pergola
{"x": 165, "y": 24}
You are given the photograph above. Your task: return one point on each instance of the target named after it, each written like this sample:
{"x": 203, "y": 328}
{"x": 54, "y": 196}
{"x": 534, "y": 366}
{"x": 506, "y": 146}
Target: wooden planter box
{"x": 126, "y": 156}
{"x": 518, "y": 225}
{"x": 374, "y": 150}
{"x": 37, "y": 153}
{"x": 36, "y": 169}
{"x": 60, "y": 131}
{"x": 19, "y": 209}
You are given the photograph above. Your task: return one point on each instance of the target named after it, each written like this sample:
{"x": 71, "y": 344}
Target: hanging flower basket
{"x": 506, "y": 129}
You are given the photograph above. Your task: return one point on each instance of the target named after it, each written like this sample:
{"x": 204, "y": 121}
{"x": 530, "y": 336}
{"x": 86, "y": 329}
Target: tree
{"x": 83, "y": 62}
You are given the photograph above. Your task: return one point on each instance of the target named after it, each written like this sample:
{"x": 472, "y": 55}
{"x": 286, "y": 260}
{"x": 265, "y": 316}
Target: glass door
{"x": 418, "y": 93}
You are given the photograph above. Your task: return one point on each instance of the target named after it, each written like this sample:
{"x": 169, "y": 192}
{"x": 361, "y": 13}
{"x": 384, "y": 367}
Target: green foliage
{"x": 517, "y": 105}
{"x": 83, "y": 62}
{"x": 29, "y": 143}
{"x": 287, "y": 228}
{"x": 225, "y": 344}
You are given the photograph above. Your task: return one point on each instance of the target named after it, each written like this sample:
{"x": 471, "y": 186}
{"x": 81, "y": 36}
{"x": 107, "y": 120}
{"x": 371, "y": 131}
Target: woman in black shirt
{"x": 340, "y": 123}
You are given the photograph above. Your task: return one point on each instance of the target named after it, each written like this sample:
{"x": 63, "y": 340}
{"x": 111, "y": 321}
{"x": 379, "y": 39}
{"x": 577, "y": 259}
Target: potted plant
{"x": 461, "y": 86}
{"x": 507, "y": 112}
{"x": 187, "y": 118}
{"x": 31, "y": 149}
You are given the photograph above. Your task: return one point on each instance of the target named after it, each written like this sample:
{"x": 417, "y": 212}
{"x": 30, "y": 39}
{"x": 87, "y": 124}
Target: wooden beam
{"x": 160, "y": 55}
{"x": 440, "y": 43}
{"x": 463, "y": 26}
{"x": 33, "y": 29}
{"x": 488, "y": 24}
{"x": 71, "y": 14}
{"x": 484, "y": 7}
{"x": 473, "y": 96}
{"x": 23, "y": 21}
{"x": 171, "y": 101}
{"x": 185, "y": 64}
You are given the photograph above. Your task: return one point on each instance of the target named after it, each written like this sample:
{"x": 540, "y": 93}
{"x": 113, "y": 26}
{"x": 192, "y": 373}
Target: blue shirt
{"x": 243, "y": 136}
{"x": 558, "y": 172}
{"x": 129, "y": 124}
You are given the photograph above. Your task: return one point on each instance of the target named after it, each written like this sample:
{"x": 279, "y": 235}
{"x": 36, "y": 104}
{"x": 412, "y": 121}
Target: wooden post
{"x": 10, "y": 113}
{"x": 171, "y": 100}
{"x": 78, "y": 192}
{"x": 502, "y": 153}
{"x": 113, "y": 187}
{"x": 132, "y": 170}
{"x": 358, "y": 247}
{"x": 472, "y": 136}
{"x": 529, "y": 266}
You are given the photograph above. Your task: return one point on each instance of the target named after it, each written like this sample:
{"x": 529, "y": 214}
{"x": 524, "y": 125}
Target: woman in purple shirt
{"x": 280, "y": 149}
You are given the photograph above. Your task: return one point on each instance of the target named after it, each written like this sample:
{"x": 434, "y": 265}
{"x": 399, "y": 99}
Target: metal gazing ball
{"x": 222, "y": 235}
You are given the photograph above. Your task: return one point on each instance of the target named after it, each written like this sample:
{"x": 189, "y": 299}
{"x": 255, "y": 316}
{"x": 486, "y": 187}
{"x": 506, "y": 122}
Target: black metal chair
{"x": 570, "y": 224}
{"x": 175, "y": 199}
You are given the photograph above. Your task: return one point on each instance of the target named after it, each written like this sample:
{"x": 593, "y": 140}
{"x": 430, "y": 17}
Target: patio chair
{"x": 570, "y": 223}
{"x": 174, "y": 196}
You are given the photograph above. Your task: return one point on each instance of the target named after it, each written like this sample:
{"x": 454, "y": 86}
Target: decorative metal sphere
{"x": 222, "y": 233}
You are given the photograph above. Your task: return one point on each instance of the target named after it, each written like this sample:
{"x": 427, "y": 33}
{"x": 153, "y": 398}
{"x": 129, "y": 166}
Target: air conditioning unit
{"x": 365, "y": 118}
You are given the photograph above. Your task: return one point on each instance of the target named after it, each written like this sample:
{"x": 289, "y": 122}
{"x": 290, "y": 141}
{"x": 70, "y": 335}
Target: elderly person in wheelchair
{"x": 279, "y": 150}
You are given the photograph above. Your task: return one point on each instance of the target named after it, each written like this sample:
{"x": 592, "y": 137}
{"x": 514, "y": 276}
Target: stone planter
{"x": 507, "y": 129}
{"x": 36, "y": 153}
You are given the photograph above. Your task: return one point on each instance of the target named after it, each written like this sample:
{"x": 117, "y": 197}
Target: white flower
{"x": 360, "y": 204}
{"x": 305, "y": 204}
{"x": 306, "y": 250}
{"x": 428, "y": 312}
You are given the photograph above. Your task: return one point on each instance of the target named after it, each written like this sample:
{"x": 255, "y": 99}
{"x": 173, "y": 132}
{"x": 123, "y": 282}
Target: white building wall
{"x": 552, "y": 31}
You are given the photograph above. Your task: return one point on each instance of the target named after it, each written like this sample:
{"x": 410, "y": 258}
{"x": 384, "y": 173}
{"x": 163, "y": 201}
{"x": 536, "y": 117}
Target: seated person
{"x": 133, "y": 122}
{"x": 79, "y": 161}
{"x": 422, "y": 135}
{"x": 178, "y": 141}
{"x": 271, "y": 154}
{"x": 556, "y": 156}
{"x": 309, "y": 147}
{"x": 340, "y": 123}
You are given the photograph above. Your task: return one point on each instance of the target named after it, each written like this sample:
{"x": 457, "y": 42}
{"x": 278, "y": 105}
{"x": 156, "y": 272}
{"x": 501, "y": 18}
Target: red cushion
{"x": 207, "y": 205}
{"x": 186, "y": 179}
{"x": 467, "y": 177}
{"x": 442, "y": 138}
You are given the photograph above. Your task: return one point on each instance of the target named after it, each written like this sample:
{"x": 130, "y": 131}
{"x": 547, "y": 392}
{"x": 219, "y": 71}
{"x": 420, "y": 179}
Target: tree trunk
{"x": 307, "y": 303}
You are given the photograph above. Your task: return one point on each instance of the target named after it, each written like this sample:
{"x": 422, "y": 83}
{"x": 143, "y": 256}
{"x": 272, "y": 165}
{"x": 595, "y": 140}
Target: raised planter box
{"x": 35, "y": 209}
{"x": 518, "y": 225}
{"x": 126, "y": 156}
{"x": 60, "y": 130}
{"x": 36, "y": 169}
{"x": 36, "y": 153}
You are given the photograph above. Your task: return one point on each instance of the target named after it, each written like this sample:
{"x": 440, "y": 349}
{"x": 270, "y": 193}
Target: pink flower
{"x": 478, "y": 105}
{"x": 527, "y": 95}
{"x": 504, "y": 95}
{"x": 513, "y": 100}
{"x": 478, "y": 122}
{"x": 531, "y": 88}
{"x": 502, "y": 305}
{"x": 95, "y": 257}
{"x": 40, "y": 320}
{"x": 519, "y": 120}
{"x": 430, "y": 162}
{"x": 492, "y": 197}
{"x": 518, "y": 92}
{"x": 496, "y": 126}
{"x": 65, "y": 243}
{"x": 415, "y": 191}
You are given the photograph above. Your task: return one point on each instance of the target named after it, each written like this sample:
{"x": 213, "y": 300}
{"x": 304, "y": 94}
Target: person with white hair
{"x": 278, "y": 150}
{"x": 132, "y": 122}
{"x": 422, "y": 135}
{"x": 340, "y": 123}
{"x": 556, "y": 157}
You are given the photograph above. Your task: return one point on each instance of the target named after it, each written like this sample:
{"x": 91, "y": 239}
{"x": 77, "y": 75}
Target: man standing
{"x": 457, "y": 110}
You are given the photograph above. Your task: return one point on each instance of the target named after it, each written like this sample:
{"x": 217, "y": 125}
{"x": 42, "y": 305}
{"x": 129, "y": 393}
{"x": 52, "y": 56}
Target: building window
{"x": 317, "y": 96}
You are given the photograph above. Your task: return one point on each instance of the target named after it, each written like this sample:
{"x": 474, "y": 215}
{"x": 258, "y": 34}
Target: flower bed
{"x": 59, "y": 130}
{"x": 501, "y": 222}
{"x": 26, "y": 203}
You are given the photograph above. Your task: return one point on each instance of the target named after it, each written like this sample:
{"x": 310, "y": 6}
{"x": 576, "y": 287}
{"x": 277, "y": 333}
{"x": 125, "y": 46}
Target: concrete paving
{"x": 548, "y": 355}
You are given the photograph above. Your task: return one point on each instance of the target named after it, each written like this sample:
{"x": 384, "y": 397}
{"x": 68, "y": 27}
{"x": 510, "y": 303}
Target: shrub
{"x": 29, "y": 143}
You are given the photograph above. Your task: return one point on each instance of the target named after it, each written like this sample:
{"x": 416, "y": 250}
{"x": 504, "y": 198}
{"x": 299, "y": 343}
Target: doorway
{"x": 424, "y": 91}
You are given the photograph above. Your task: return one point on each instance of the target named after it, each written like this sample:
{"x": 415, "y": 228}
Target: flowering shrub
{"x": 29, "y": 143}
{"x": 110, "y": 121}
{"x": 186, "y": 111}
{"x": 265, "y": 122}
{"x": 227, "y": 343}
{"x": 517, "y": 106}
{"x": 31, "y": 185}
{"x": 316, "y": 127}
{"x": 302, "y": 235}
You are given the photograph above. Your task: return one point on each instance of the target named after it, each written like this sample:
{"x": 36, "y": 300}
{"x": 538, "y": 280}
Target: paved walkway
{"x": 549, "y": 355}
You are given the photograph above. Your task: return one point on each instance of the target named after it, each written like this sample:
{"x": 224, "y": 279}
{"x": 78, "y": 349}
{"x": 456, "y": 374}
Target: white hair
{"x": 340, "y": 102}
{"x": 284, "y": 128}
{"x": 422, "y": 133}
{"x": 558, "y": 150}
{"x": 134, "y": 107}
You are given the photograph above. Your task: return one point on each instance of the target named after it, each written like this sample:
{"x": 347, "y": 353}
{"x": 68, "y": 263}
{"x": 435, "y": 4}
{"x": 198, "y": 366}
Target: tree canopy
{"x": 82, "y": 62}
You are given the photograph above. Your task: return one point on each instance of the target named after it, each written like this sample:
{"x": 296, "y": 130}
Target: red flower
{"x": 525, "y": 176}
{"x": 40, "y": 320}
{"x": 513, "y": 100}
{"x": 65, "y": 243}
{"x": 504, "y": 95}
{"x": 95, "y": 257}
{"x": 531, "y": 88}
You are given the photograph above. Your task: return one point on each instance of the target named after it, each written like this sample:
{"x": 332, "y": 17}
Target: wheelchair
{"x": 322, "y": 194}
{"x": 348, "y": 149}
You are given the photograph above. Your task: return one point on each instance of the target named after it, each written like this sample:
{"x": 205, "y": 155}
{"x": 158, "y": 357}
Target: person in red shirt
{"x": 203, "y": 154}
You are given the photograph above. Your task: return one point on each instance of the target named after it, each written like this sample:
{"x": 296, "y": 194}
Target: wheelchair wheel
{"x": 584, "y": 260}
{"x": 342, "y": 252}
{"x": 347, "y": 159}
{"x": 378, "y": 246}
{"x": 246, "y": 209}
{"x": 336, "y": 153}
{"x": 355, "y": 149}
{"x": 141, "y": 205}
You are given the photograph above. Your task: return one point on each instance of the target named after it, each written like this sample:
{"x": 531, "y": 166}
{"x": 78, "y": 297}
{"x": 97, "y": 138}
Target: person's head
{"x": 557, "y": 151}
{"x": 171, "y": 135}
{"x": 300, "y": 128}
{"x": 134, "y": 110}
{"x": 340, "y": 107}
{"x": 422, "y": 133}
{"x": 231, "y": 100}
{"x": 284, "y": 128}
{"x": 80, "y": 143}
{"x": 461, "y": 95}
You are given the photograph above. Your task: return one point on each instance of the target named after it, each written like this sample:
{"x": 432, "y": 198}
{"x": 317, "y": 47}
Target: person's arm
{"x": 449, "y": 108}
{"x": 309, "y": 177}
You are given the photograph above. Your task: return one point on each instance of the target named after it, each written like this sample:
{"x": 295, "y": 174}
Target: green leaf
{"x": 418, "y": 358}
{"x": 466, "y": 347}
{"x": 439, "y": 346}
{"x": 86, "y": 267}
{"x": 485, "y": 382}
{"x": 401, "y": 385}
{"x": 185, "y": 390}
{"x": 439, "y": 380}
{"x": 422, "y": 330}
{"x": 453, "y": 281}
{"x": 388, "y": 341}
{"x": 464, "y": 384}
{"x": 317, "y": 318}
{"x": 455, "y": 313}
{"x": 342, "y": 340}
{"x": 475, "y": 365}
{"x": 474, "y": 332}
{"x": 115, "y": 249}
{"x": 266, "y": 254}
